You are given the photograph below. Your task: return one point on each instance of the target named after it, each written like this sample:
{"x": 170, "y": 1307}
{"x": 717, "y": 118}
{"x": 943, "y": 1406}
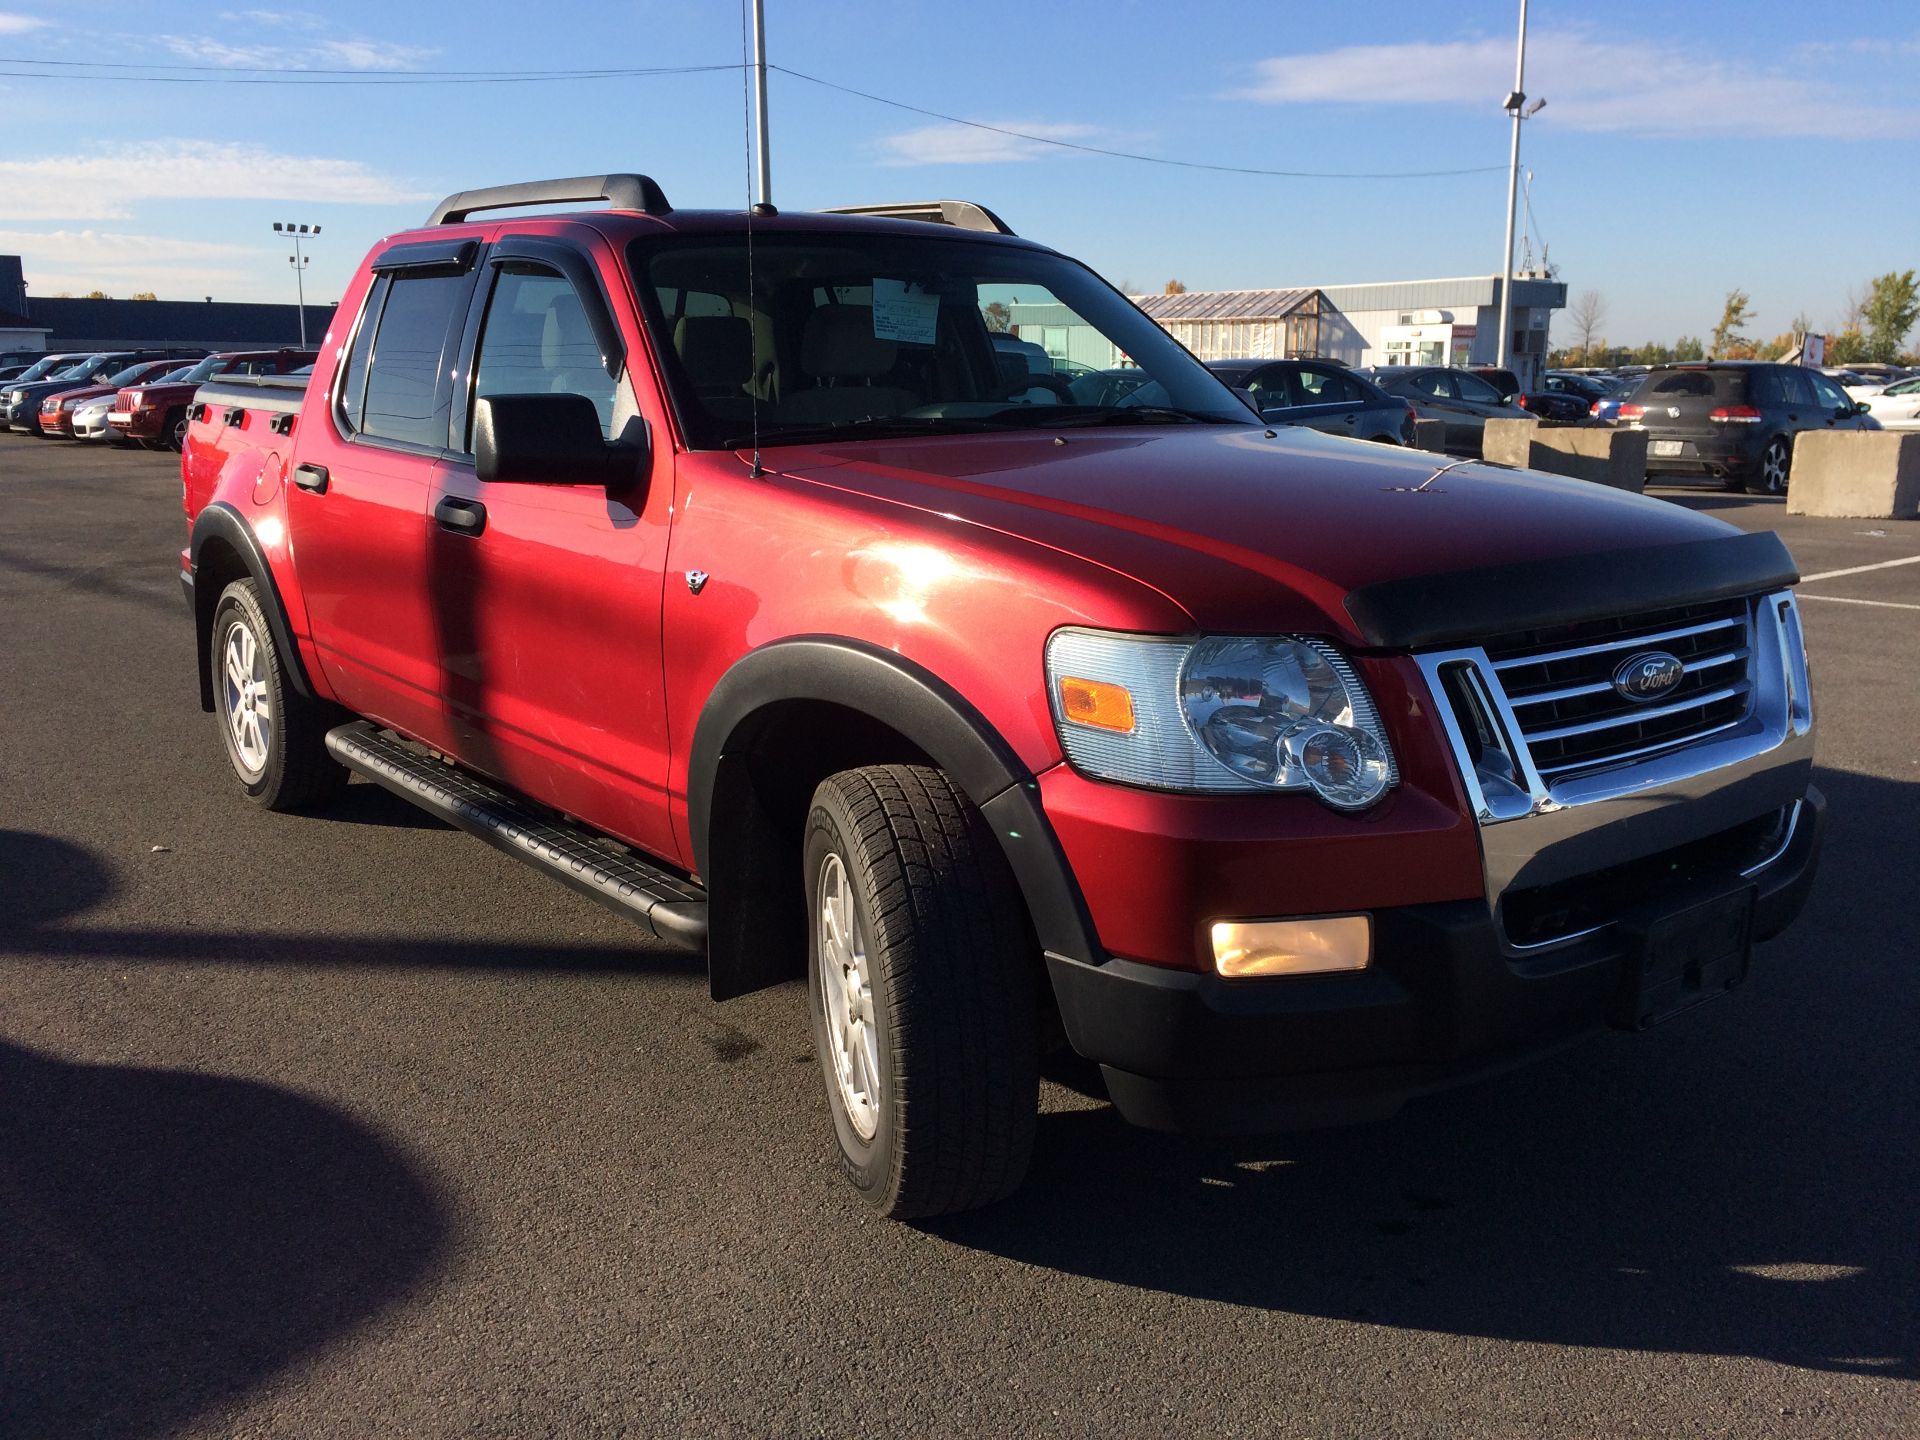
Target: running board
{"x": 675, "y": 910}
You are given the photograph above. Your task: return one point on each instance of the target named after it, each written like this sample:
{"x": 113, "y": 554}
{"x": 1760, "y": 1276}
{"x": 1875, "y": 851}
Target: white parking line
{"x": 1844, "y": 600}
{"x": 1859, "y": 569}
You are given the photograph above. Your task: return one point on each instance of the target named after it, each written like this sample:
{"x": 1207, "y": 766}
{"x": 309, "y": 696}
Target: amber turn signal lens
{"x": 1292, "y": 947}
{"x": 1099, "y": 703}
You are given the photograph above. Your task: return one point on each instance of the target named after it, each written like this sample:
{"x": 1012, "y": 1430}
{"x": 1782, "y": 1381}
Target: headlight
{"x": 1224, "y": 714}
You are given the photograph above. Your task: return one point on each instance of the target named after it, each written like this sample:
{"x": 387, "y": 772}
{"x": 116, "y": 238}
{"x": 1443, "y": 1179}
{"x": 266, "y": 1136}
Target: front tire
{"x": 923, "y": 992}
{"x": 274, "y": 737}
{"x": 1776, "y": 465}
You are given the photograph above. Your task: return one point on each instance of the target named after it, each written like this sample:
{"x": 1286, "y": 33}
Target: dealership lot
{"x": 342, "y": 1124}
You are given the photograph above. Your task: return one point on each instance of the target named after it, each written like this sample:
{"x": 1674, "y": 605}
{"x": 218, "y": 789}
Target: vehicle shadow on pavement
{"x": 1741, "y": 1181}
{"x": 43, "y": 879}
{"x": 168, "y": 1240}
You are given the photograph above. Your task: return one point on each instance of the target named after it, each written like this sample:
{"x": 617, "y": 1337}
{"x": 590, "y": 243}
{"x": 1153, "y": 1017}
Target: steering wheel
{"x": 1042, "y": 382}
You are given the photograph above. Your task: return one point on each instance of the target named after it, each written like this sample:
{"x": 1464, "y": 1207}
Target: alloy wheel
{"x": 249, "y": 711}
{"x": 846, "y": 998}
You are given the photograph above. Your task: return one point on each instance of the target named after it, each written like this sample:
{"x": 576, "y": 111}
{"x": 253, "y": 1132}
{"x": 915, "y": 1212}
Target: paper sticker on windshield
{"x": 904, "y": 311}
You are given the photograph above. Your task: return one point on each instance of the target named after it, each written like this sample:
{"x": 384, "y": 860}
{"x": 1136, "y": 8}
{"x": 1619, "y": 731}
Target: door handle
{"x": 463, "y": 517}
{"x": 311, "y": 477}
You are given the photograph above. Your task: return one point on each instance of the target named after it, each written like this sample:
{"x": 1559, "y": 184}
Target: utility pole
{"x": 1515, "y": 101}
{"x": 298, "y": 260}
{"x": 763, "y": 154}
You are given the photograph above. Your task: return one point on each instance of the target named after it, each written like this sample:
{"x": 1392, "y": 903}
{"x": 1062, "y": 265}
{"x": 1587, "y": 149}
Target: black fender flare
{"x": 220, "y": 520}
{"x": 932, "y": 715}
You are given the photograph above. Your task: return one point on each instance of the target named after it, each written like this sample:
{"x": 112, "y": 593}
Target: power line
{"x": 263, "y": 75}
{"x": 1132, "y": 155}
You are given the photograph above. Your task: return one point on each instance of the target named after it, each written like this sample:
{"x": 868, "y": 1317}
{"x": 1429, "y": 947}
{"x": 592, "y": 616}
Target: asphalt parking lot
{"x": 349, "y": 1125}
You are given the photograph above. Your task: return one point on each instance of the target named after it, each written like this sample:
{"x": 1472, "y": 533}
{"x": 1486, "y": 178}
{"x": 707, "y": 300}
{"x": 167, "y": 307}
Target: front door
{"x": 546, "y": 597}
{"x": 357, "y": 501}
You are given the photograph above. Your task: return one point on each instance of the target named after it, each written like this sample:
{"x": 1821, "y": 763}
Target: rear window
{"x": 1729, "y": 386}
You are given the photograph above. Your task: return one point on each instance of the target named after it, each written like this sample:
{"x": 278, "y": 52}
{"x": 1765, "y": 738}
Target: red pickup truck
{"x": 717, "y": 565}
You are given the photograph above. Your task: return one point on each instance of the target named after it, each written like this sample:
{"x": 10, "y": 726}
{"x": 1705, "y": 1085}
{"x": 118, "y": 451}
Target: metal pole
{"x": 763, "y": 155}
{"x": 1514, "y": 101}
{"x": 300, "y": 288}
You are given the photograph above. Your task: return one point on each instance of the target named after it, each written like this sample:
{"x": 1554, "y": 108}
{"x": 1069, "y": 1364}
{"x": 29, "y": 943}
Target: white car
{"x": 1898, "y": 406}
{"x": 90, "y": 419}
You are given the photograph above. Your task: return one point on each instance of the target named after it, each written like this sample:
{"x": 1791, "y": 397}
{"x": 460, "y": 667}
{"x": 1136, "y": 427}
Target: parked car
{"x": 1542, "y": 402}
{"x": 57, "y": 406}
{"x": 1586, "y": 388}
{"x": 89, "y": 420}
{"x": 1898, "y": 406}
{"x": 1459, "y": 397}
{"x": 46, "y": 365}
{"x": 1111, "y": 386}
{"x": 1606, "y": 408}
{"x": 23, "y": 399}
{"x": 1735, "y": 420}
{"x": 1277, "y": 779}
{"x": 21, "y": 358}
{"x": 1320, "y": 395}
{"x": 156, "y": 414}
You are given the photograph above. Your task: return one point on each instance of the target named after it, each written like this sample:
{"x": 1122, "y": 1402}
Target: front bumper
{"x": 1446, "y": 1000}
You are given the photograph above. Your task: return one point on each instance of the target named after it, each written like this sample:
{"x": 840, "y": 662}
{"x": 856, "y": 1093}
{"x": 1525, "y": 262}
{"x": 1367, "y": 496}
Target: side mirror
{"x": 548, "y": 440}
{"x": 1247, "y": 398}
{"x": 1860, "y": 407}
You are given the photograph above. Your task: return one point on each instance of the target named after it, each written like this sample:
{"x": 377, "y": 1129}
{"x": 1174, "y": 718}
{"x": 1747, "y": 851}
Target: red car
{"x": 56, "y": 410}
{"x": 156, "y": 415}
{"x": 738, "y": 586}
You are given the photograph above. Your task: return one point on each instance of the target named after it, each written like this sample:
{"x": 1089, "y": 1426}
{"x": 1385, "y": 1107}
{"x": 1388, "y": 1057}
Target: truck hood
{"x": 1246, "y": 532}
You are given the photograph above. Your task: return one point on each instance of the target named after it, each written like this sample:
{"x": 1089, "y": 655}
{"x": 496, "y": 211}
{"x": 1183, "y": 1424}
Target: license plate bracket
{"x": 1677, "y": 958}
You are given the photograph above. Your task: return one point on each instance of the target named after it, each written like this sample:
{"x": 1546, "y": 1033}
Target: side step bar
{"x": 675, "y": 910}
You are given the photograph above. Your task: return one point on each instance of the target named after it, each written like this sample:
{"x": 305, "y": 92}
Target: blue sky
{"x": 1685, "y": 147}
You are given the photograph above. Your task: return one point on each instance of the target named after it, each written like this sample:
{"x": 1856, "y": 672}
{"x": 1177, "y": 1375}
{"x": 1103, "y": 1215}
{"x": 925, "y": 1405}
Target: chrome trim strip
{"x": 1786, "y": 840}
{"x": 1674, "y": 744}
{"x": 1634, "y": 717}
{"x": 1626, "y": 642}
{"x": 1599, "y": 687}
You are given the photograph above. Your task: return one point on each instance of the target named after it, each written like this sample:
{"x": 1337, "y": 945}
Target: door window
{"x": 404, "y": 400}
{"x": 1796, "y": 384}
{"x": 1829, "y": 394}
{"x": 1434, "y": 383}
{"x": 1472, "y": 387}
{"x": 1327, "y": 387}
{"x": 1269, "y": 388}
{"x": 537, "y": 341}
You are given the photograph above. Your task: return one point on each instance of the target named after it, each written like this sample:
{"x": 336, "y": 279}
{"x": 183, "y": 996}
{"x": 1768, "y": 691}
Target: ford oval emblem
{"x": 1648, "y": 675}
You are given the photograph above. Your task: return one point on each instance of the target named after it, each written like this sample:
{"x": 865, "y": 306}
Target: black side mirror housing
{"x": 549, "y": 440}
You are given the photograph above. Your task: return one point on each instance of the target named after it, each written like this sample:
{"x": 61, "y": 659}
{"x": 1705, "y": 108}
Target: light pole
{"x": 1514, "y": 106}
{"x": 298, "y": 260}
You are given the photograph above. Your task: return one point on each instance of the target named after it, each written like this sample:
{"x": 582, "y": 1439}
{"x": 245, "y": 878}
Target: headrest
{"x": 717, "y": 350}
{"x": 839, "y": 344}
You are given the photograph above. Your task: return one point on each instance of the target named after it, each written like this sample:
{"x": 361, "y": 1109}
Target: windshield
{"x": 848, "y": 336}
{"x": 40, "y": 369}
{"x": 206, "y": 369}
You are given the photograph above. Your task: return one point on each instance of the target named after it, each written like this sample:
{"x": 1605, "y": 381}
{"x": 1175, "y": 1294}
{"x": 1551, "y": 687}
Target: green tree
{"x": 1726, "y": 335}
{"x": 1689, "y": 348}
{"x": 1893, "y": 304}
{"x": 1846, "y": 347}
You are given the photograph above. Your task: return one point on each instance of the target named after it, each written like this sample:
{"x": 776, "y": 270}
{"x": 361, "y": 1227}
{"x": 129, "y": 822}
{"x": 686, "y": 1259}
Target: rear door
{"x": 1833, "y": 403}
{"x": 1329, "y": 399}
{"x": 357, "y": 501}
{"x": 546, "y": 597}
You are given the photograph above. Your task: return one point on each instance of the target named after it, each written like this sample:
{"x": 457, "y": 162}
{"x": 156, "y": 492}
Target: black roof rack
{"x": 622, "y": 192}
{"x": 961, "y": 213}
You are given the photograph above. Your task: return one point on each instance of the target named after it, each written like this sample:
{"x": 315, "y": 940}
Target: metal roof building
{"x": 1230, "y": 324}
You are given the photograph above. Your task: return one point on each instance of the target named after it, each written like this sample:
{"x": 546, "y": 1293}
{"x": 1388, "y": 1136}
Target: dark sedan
{"x": 1321, "y": 395}
{"x": 1459, "y": 397}
{"x": 1544, "y": 401}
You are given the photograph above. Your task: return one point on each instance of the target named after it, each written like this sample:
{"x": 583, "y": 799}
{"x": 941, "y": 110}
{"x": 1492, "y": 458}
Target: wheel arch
{"x": 794, "y": 711}
{"x": 223, "y": 549}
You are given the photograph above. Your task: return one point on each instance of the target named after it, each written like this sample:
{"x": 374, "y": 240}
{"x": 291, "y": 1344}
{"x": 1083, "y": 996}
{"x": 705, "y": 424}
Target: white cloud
{"x": 1594, "y": 85}
{"x": 13, "y": 24}
{"x": 83, "y": 260}
{"x": 969, "y": 145}
{"x": 104, "y": 184}
{"x": 351, "y": 53}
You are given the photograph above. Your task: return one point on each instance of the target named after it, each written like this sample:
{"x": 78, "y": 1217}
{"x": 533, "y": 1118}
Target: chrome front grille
{"x": 1559, "y": 683}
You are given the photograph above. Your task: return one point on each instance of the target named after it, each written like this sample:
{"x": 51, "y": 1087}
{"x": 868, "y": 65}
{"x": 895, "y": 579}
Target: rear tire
{"x": 1776, "y": 466}
{"x": 275, "y": 738}
{"x": 923, "y": 992}
{"x": 175, "y": 432}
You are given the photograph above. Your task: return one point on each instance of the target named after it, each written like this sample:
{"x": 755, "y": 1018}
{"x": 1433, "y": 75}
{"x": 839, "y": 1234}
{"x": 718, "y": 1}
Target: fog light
{"x": 1292, "y": 947}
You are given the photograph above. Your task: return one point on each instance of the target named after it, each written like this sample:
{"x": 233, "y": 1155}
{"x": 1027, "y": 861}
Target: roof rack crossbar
{"x": 622, "y": 192}
{"x": 963, "y": 214}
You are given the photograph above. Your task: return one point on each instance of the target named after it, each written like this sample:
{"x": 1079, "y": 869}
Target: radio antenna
{"x": 753, "y": 112}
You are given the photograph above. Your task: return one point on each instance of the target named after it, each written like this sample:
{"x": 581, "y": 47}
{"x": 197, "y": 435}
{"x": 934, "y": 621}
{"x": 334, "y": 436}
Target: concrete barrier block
{"x": 1584, "y": 452}
{"x": 1858, "y": 474}
{"x": 1430, "y": 435}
